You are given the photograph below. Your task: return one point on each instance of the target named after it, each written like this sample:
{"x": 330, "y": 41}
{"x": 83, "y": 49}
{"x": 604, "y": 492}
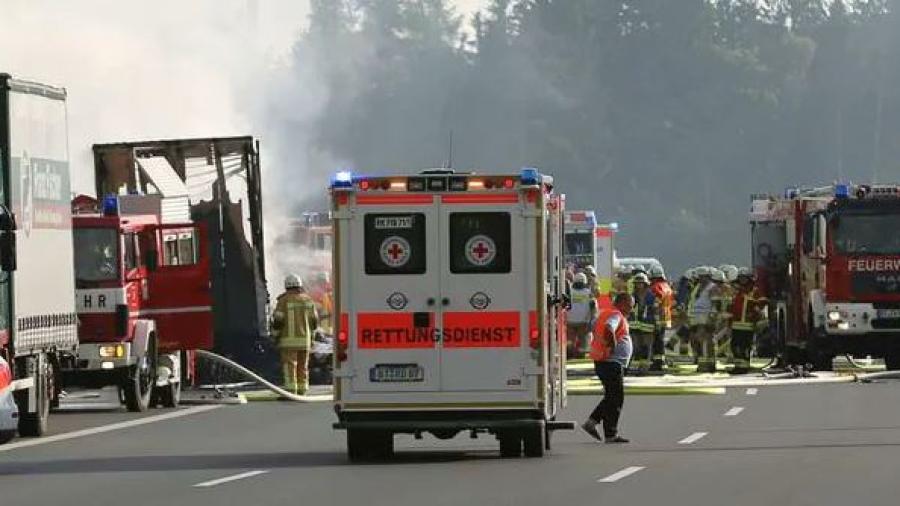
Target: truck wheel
{"x": 369, "y": 445}
{"x": 6, "y": 436}
{"x": 510, "y": 444}
{"x": 892, "y": 361}
{"x": 35, "y": 424}
{"x": 534, "y": 442}
{"x": 138, "y": 385}
{"x": 170, "y": 395}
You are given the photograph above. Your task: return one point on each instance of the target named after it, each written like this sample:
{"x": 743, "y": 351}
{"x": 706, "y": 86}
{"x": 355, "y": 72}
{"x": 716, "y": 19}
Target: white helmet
{"x": 718, "y": 276}
{"x": 745, "y": 272}
{"x": 640, "y": 278}
{"x": 292, "y": 281}
{"x": 590, "y": 270}
{"x": 702, "y": 271}
{"x": 731, "y": 272}
{"x": 657, "y": 272}
{"x": 581, "y": 278}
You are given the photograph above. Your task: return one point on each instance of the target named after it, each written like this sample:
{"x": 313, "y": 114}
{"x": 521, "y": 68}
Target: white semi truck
{"x": 38, "y": 324}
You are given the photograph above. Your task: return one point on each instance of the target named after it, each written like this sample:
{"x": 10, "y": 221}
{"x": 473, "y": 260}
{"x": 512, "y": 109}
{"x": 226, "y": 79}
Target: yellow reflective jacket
{"x": 294, "y": 320}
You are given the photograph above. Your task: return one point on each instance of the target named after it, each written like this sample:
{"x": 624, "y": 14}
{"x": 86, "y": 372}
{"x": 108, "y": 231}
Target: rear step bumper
{"x": 429, "y": 425}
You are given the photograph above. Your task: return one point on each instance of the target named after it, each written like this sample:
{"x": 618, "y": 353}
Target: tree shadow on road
{"x": 167, "y": 463}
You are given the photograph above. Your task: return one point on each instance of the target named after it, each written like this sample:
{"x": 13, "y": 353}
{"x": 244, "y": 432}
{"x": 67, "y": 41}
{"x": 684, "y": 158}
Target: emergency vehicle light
{"x": 841, "y": 191}
{"x": 343, "y": 179}
{"x": 110, "y": 205}
{"x": 530, "y": 177}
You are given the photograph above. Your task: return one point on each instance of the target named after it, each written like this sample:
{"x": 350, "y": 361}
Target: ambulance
{"x": 450, "y": 314}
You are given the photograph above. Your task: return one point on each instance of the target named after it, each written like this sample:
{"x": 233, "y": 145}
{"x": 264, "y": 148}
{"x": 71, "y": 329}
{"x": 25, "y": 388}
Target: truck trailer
{"x": 38, "y": 322}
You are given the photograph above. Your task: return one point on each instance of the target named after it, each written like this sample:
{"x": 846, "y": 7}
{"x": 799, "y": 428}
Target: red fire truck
{"x": 828, "y": 259}
{"x": 142, "y": 293}
{"x": 448, "y": 296}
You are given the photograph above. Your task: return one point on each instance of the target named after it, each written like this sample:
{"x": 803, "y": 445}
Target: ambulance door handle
{"x": 430, "y": 301}
{"x": 445, "y": 301}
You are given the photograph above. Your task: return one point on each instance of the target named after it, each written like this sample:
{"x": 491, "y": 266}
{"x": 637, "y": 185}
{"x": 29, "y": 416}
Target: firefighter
{"x": 582, "y": 313}
{"x": 665, "y": 300}
{"x": 643, "y": 322}
{"x": 702, "y": 313}
{"x": 621, "y": 283}
{"x": 611, "y": 350}
{"x": 320, "y": 291}
{"x": 294, "y": 321}
{"x": 746, "y": 313}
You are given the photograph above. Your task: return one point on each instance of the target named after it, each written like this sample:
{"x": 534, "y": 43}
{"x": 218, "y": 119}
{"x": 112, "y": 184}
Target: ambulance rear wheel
{"x": 535, "y": 441}
{"x": 510, "y": 444}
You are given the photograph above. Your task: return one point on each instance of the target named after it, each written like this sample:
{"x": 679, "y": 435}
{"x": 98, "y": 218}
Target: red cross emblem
{"x": 480, "y": 250}
{"x": 395, "y": 251}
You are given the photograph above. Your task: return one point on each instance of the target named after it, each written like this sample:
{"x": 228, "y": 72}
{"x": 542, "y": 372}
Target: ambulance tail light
{"x": 343, "y": 338}
{"x": 534, "y": 334}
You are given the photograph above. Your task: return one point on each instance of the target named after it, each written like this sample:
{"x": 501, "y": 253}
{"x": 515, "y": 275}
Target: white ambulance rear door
{"x": 394, "y": 292}
{"x": 486, "y": 292}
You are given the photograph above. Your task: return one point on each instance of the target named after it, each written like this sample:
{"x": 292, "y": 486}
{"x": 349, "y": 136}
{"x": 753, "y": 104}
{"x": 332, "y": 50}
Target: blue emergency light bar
{"x": 530, "y": 177}
{"x": 110, "y": 205}
{"x": 342, "y": 179}
{"x": 841, "y": 191}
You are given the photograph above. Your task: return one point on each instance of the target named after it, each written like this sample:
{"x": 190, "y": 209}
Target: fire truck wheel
{"x": 534, "y": 442}
{"x": 170, "y": 395}
{"x": 35, "y": 424}
{"x": 138, "y": 385}
{"x": 510, "y": 444}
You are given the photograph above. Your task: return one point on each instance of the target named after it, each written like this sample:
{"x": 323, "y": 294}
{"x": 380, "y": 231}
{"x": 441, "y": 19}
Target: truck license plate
{"x": 889, "y": 313}
{"x": 396, "y": 373}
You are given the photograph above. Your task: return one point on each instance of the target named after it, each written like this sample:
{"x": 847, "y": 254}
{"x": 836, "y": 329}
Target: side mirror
{"x": 151, "y": 259}
{"x": 8, "y": 251}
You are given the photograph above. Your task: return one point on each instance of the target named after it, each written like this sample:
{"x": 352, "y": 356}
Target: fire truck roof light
{"x": 530, "y": 177}
{"x": 110, "y": 205}
{"x": 842, "y": 191}
{"x": 343, "y": 179}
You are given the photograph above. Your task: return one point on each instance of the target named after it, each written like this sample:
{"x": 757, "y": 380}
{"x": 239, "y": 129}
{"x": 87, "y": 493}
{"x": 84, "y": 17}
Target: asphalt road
{"x": 797, "y": 445}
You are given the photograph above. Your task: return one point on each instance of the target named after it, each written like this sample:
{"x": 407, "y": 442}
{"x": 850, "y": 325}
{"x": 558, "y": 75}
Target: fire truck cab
{"x": 450, "y": 309}
{"x": 580, "y": 231}
{"x": 142, "y": 293}
{"x": 828, "y": 259}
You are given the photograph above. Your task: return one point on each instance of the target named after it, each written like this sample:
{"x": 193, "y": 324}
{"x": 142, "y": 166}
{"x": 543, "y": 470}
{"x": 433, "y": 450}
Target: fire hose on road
{"x": 252, "y": 375}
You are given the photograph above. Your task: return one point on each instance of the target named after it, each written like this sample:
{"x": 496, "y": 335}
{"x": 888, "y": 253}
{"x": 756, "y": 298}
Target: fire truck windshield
{"x": 578, "y": 243}
{"x": 866, "y": 234}
{"x": 96, "y": 254}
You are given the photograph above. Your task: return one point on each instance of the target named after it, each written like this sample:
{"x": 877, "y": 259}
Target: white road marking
{"x": 752, "y": 391}
{"x": 735, "y": 411}
{"x": 628, "y": 471}
{"x": 107, "y": 428}
{"x": 693, "y": 438}
{"x": 219, "y": 481}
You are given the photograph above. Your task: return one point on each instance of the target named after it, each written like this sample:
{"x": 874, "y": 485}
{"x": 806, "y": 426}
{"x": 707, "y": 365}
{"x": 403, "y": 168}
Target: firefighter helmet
{"x": 657, "y": 272}
{"x": 590, "y": 271}
{"x": 702, "y": 271}
{"x": 718, "y": 276}
{"x": 640, "y": 278}
{"x": 581, "y": 278}
{"x": 745, "y": 272}
{"x": 731, "y": 272}
{"x": 292, "y": 281}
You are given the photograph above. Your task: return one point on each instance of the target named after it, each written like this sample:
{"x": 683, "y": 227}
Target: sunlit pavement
{"x": 746, "y": 446}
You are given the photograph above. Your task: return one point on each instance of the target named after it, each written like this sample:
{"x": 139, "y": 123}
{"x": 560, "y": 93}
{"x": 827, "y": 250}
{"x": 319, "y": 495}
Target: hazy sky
{"x": 160, "y": 69}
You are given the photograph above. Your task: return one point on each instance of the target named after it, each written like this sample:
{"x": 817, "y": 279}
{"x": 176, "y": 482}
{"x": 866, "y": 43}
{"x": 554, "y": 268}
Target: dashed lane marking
{"x": 628, "y": 471}
{"x": 752, "y": 391}
{"x": 234, "y": 477}
{"x": 107, "y": 428}
{"x": 693, "y": 438}
{"x": 735, "y": 411}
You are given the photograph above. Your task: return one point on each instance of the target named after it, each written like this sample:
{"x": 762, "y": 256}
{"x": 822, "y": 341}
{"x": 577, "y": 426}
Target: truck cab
{"x": 142, "y": 293}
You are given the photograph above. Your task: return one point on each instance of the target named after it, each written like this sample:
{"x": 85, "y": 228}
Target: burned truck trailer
{"x": 215, "y": 181}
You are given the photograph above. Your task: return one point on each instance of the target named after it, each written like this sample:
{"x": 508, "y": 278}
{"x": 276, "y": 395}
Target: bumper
{"x": 89, "y": 357}
{"x": 860, "y": 319}
{"x": 412, "y": 422}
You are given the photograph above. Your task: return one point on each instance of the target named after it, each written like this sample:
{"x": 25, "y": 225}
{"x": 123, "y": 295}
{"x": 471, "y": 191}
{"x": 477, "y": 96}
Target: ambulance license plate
{"x": 889, "y": 313}
{"x": 396, "y": 373}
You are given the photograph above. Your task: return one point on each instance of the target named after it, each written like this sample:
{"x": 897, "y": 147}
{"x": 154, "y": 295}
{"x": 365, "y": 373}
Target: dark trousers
{"x": 741, "y": 344}
{"x": 608, "y": 411}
